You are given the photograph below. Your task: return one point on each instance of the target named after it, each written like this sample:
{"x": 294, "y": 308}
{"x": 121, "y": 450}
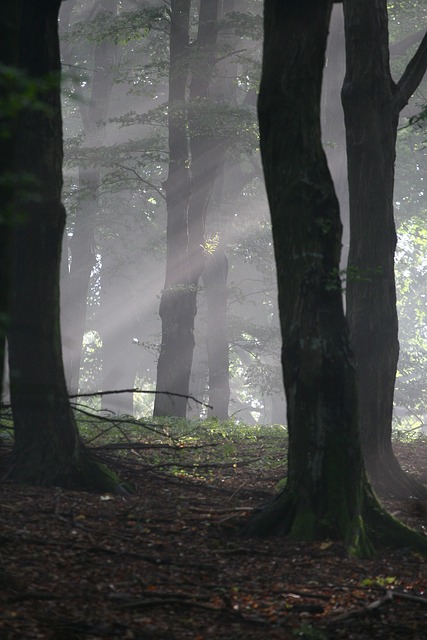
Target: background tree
{"x": 187, "y": 198}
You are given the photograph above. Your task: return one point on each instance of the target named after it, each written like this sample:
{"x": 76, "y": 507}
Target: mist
{"x": 115, "y": 93}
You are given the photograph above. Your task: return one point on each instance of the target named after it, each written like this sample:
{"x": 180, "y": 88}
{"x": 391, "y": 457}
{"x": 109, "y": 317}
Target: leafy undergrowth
{"x": 169, "y": 562}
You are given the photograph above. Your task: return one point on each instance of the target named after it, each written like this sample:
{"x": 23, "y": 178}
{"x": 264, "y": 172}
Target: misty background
{"x": 115, "y": 90}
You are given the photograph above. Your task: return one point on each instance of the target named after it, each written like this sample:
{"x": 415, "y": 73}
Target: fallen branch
{"x": 389, "y": 597}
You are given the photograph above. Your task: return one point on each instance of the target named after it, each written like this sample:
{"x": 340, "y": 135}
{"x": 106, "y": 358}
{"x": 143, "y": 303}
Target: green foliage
{"x": 243, "y": 25}
{"x": 19, "y": 92}
{"x": 192, "y": 448}
{"x": 411, "y": 273}
{"x": 379, "y": 581}
{"x": 121, "y": 29}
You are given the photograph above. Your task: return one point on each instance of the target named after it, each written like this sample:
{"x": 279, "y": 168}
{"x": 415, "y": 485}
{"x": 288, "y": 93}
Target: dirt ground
{"x": 170, "y": 563}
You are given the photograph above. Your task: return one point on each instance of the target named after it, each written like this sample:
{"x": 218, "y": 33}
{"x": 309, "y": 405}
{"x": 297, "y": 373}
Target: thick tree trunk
{"x": 327, "y": 494}
{"x": 47, "y": 448}
{"x": 371, "y": 116}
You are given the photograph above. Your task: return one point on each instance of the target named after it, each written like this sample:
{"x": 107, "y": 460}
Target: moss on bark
{"x": 361, "y": 534}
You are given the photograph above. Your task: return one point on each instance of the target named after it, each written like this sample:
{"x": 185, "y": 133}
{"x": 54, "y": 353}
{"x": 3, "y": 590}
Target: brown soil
{"x": 170, "y": 563}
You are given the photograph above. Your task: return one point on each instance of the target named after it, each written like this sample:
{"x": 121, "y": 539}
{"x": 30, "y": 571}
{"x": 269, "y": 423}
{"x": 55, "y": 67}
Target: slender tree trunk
{"x": 47, "y": 449}
{"x": 327, "y": 494}
{"x": 177, "y": 307}
{"x": 372, "y": 103}
{"x": 187, "y": 204}
{"x": 205, "y": 149}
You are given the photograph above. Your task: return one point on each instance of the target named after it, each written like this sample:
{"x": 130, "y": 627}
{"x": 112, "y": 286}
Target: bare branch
{"x": 412, "y": 75}
{"x": 141, "y": 179}
{"x": 115, "y": 391}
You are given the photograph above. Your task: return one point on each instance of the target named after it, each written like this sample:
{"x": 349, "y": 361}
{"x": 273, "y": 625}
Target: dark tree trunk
{"x": 82, "y": 244}
{"x": 9, "y": 32}
{"x": 327, "y": 494}
{"x": 177, "y": 307}
{"x": 215, "y": 280}
{"x": 205, "y": 149}
{"x": 187, "y": 194}
{"x": 372, "y": 103}
{"x": 47, "y": 448}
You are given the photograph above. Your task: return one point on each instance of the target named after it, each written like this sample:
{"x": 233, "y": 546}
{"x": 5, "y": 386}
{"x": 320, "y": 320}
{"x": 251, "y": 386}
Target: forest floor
{"x": 169, "y": 562}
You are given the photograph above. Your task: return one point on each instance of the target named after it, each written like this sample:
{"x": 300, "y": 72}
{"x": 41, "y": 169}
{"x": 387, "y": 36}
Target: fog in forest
{"x": 115, "y": 90}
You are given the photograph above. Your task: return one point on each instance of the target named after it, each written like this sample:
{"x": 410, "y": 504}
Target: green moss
{"x": 304, "y": 525}
{"x": 95, "y": 475}
{"x": 356, "y": 540}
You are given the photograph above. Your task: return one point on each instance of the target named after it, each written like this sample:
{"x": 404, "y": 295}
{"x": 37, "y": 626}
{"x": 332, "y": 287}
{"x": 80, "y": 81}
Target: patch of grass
{"x": 187, "y": 447}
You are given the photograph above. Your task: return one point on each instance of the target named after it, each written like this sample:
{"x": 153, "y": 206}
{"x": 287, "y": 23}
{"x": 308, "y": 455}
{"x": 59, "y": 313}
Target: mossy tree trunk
{"x": 327, "y": 494}
{"x": 372, "y": 103}
{"x": 47, "y": 450}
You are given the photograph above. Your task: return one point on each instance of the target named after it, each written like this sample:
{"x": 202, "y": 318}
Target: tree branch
{"x": 412, "y": 75}
{"x": 141, "y": 179}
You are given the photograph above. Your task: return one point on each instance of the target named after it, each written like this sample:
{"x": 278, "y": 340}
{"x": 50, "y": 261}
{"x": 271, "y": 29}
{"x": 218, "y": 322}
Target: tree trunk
{"x": 371, "y": 104}
{"x": 177, "y": 308}
{"x": 8, "y": 57}
{"x": 47, "y": 450}
{"x": 327, "y": 494}
{"x": 187, "y": 201}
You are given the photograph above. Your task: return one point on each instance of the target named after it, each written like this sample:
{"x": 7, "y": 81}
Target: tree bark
{"x": 176, "y": 306}
{"x": 187, "y": 195}
{"x": 8, "y": 57}
{"x": 327, "y": 494}
{"x": 372, "y": 103}
{"x": 47, "y": 449}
